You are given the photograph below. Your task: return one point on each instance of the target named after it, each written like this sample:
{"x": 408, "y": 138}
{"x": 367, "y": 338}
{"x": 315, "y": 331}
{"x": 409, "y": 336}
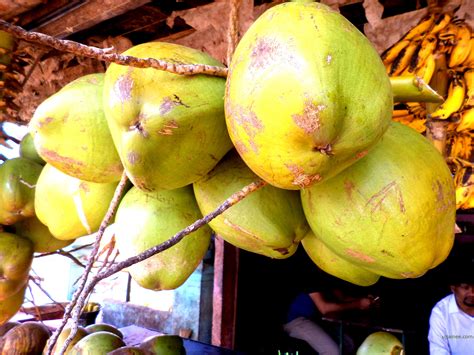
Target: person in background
{"x": 451, "y": 321}
{"x": 307, "y": 308}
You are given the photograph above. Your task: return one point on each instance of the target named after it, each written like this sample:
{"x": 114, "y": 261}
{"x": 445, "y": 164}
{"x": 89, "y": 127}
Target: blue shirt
{"x": 302, "y": 306}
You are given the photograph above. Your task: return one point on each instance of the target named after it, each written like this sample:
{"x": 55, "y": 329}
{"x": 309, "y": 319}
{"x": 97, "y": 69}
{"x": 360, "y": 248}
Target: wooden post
{"x": 224, "y": 305}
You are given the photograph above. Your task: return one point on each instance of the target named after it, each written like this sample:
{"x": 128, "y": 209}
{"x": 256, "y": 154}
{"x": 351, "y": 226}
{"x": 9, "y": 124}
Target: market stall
{"x": 184, "y": 167}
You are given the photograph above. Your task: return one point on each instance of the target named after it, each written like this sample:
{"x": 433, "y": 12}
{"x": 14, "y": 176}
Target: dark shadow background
{"x": 266, "y": 286}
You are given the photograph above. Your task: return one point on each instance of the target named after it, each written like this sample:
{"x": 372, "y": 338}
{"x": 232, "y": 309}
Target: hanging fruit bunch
{"x": 440, "y": 50}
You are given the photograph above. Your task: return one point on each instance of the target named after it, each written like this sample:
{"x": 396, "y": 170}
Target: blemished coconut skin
{"x": 70, "y": 132}
{"x": 391, "y": 213}
{"x": 269, "y": 222}
{"x": 16, "y": 256}
{"x": 169, "y": 129}
{"x": 18, "y": 177}
{"x": 307, "y": 95}
{"x": 70, "y": 207}
{"x": 146, "y": 219}
{"x": 335, "y": 265}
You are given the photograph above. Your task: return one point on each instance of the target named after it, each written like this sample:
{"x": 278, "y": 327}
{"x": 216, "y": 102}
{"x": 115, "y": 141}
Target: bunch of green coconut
{"x": 306, "y": 107}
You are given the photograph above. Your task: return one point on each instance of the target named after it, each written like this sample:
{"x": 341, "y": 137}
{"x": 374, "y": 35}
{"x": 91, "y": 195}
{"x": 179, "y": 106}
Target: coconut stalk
{"x": 413, "y": 89}
{"x": 107, "y": 55}
{"x": 74, "y": 308}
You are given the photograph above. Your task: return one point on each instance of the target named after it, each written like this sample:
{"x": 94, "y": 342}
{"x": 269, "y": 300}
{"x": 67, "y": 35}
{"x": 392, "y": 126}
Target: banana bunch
{"x": 464, "y": 181}
{"x": 415, "y": 54}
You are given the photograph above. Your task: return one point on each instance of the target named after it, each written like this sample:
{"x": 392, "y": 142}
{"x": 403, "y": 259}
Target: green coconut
{"x": 71, "y": 207}
{"x": 28, "y": 150}
{"x": 16, "y": 256}
{"x": 270, "y": 221}
{"x": 18, "y": 178}
{"x": 167, "y": 344}
{"x": 146, "y": 219}
{"x": 333, "y": 264}
{"x": 169, "y": 129}
{"x": 97, "y": 343}
{"x": 307, "y": 95}
{"x": 393, "y": 212}
{"x": 39, "y": 234}
{"x": 11, "y": 305}
{"x": 70, "y": 132}
{"x": 381, "y": 343}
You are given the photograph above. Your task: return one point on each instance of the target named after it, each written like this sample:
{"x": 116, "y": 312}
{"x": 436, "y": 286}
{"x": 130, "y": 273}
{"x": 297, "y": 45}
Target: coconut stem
{"x": 78, "y": 299}
{"x": 107, "y": 55}
{"x": 413, "y": 89}
{"x": 85, "y": 289}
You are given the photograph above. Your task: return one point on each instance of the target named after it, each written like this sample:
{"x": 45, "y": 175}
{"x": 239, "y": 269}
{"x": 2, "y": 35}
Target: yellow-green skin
{"x": 18, "y": 178}
{"x": 380, "y": 343}
{"x": 169, "y": 129}
{"x": 391, "y": 213}
{"x": 81, "y": 333}
{"x": 103, "y": 327}
{"x": 333, "y": 264}
{"x": 70, "y": 207}
{"x": 11, "y": 305}
{"x": 163, "y": 345}
{"x": 28, "y": 150}
{"x": 16, "y": 256}
{"x": 147, "y": 219}
{"x": 70, "y": 132}
{"x": 42, "y": 239}
{"x": 269, "y": 222}
{"x": 97, "y": 343}
{"x": 307, "y": 95}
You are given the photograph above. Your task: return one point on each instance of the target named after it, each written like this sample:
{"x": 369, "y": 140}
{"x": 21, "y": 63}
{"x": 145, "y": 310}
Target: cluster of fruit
{"x": 32, "y": 338}
{"x": 341, "y": 177}
{"x": 444, "y": 45}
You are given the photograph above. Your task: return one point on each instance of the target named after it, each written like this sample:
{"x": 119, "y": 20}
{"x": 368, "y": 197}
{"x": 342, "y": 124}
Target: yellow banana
{"x": 403, "y": 59}
{"x": 426, "y": 69}
{"x": 428, "y": 46}
{"x": 453, "y": 102}
{"x": 461, "y": 146}
{"x": 469, "y": 81}
{"x": 440, "y": 23}
{"x": 404, "y": 119}
{"x": 462, "y": 48}
{"x": 418, "y": 124}
{"x": 462, "y": 195}
{"x": 467, "y": 120}
{"x": 449, "y": 33}
{"x": 391, "y": 53}
{"x": 422, "y": 28}
{"x": 469, "y": 61}
{"x": 400, "y": 113}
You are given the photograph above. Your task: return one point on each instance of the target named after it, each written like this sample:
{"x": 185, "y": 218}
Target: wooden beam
{"x": 12, "y": 8}
{"x": 87, "y": 15}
